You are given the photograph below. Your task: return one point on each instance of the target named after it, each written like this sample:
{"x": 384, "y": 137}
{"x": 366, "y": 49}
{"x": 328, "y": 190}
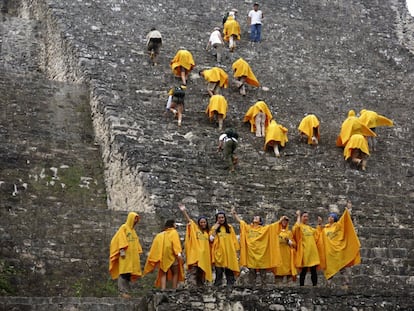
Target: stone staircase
{"x": 324, "y": 57}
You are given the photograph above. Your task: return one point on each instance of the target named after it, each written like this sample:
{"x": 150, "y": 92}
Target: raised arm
{"x": 182, "y": 208}
{"x": 320, "y": 221}
{"x": 349, "y": 206}
{"x": 220, "y": 145}
{"x": 233, "y": 211}
{"x": 298, "y": 217}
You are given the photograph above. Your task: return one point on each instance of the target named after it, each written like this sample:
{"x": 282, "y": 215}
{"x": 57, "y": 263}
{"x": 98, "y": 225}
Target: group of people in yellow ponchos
{"x": 262, "y": 248}
{"x": 357, "y": 135}
{"x": 217, "y": 106}
{"x": 183, "y": 63}
{"x": 275, "y": 135}
{"x": 165, "y": 255}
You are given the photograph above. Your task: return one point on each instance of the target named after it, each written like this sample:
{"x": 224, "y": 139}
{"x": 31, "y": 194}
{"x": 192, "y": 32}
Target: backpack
{"x": 225, "y": 17}
{"x": 178, "y": 92}
{"x": 231, "y": 133}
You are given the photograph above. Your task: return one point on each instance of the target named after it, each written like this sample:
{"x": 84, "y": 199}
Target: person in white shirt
{"x": 228, "y": 143}
{"x": 254, "y": 19}
{"x": 216, "y": 43}
{"x": 154, "y": 43}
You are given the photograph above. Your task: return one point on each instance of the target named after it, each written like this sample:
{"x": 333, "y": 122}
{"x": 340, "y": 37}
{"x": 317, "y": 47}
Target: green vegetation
{"x": 106, "y": 289}
{"x": 86, "y": 287}
{"x": 7, "y": 271}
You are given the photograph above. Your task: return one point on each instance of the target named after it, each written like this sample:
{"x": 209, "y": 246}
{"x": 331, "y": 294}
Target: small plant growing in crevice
{"x": 7, "y": 271}
{"x": 78, "y": 288}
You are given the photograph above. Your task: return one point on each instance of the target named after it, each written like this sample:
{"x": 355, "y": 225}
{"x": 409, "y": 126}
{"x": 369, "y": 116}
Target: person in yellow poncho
{"x": 124, "y": 251}
{"x": 224, "y": 250}
{"x": 357, "y": 150}
{"x": 309, "y": 129}
{"x": 276, "y": 137}
{"x": 182, "y": 64}
{"x": 307, "y": 253}
{"x": 373, "y": 120}
{"x": 166, "y": 255}
{"x": 231, "y": 32}
{"x": 217, "y": 78}
{"x": 287, "y": 247}
{"x": 243, "y": 74}
{"x": 259, "y": 248}
{"x": 197, "y": 249}
{"x": 217, "y": 109}
{"x": 352, "y": 125}
{"x": 259, "y": 117}
{"x": 341, "y": 246}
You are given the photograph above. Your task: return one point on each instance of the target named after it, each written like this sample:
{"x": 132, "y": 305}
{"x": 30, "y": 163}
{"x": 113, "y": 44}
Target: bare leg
{"x": 220, "y": 121}
{"x": 276, "y": 149}
{"x": 180, "y": 109}
{"x": 174, "y": 270}
{"x": 315, "y": 136}
{"x": 243, "y": 87}
{"x": 259, "y": 122}
{"x": 183, "y": 76}
{"x": 163, "y": 280}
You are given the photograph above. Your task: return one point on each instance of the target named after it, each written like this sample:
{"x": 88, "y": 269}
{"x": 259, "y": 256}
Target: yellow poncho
{"x": 307, "y": 125}
{"x": 242, "y": 69}
{"x": 251, "y": 114}
{"x": 216, "y": 74}
{"x": 307, "y": 241}
{"x": 231, "y": 27}
{"x": 163, "y": 253}
{"x": 182, "y": 58}
{"x": 217, "y": 103}
{"x": 372, "y": 119}
{"x": 275, "y": 132}
{"x": 287, "y": 254}
{"x": 197, "y": 249}
{"x": 224, "y": 249}
{"x": 259, "y": 247}
{"x": 356, "y": 141}
{"x": 126, "y": 238}
{"x": 352, "y": 125}
{"x": 341, "y": 245}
